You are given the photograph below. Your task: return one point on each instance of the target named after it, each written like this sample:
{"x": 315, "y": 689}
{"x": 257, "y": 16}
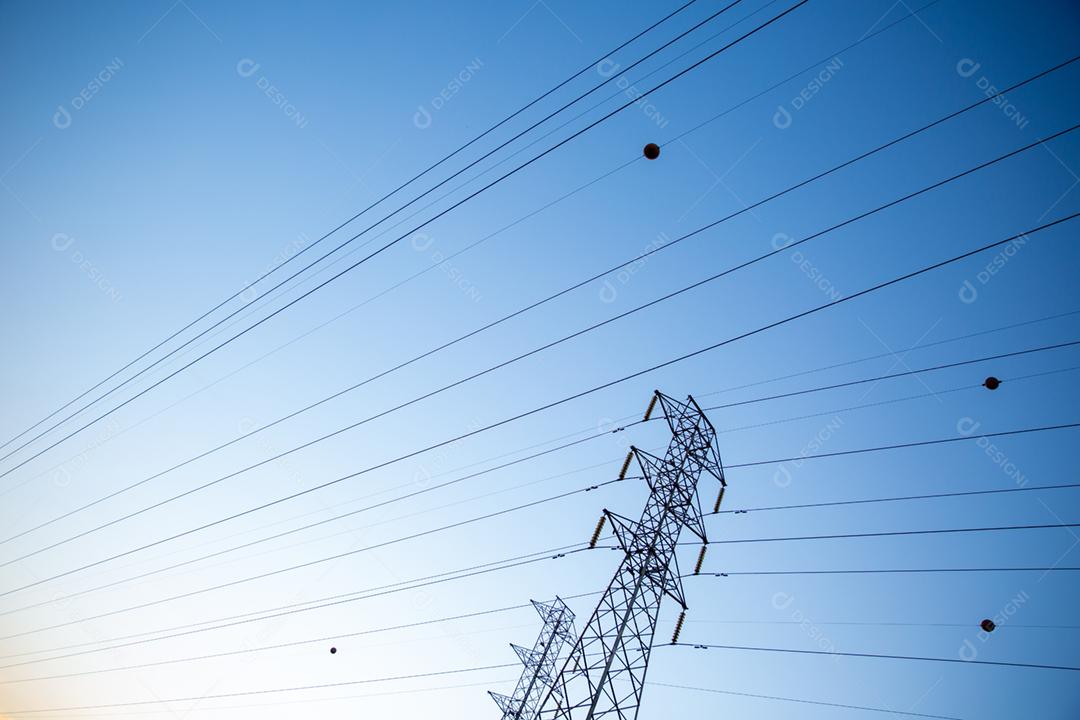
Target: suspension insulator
{"x": 597, "y": 531}
{"x": 626, "y": 465}
{"x": 678, "y": 627}
{"x": 652, "y": 405}
{"x": 700, "y": 560}
{"x": 719, "y": 498}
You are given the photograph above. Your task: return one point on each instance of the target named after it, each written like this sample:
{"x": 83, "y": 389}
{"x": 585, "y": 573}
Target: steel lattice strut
{"x": 604, "y": 673}
{"x": 537, "y": 677}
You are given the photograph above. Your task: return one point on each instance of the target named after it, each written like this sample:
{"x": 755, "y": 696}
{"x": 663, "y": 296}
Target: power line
{"x": 867, "y": 358}
{"x": 544, "y": 301}
{"x": 318, "y": 604}
{"x": 336, "y": 698}
{"x": 279, "y": 571}
{"x": 890, "y": 376}
{"x": 791, "y": 318}
{"x": 400, "y": 187}
{"x": 604, "y": 176}
{"x": 900, "y": 446}
{"x": 395, "y": 241}
{"x": 497, "y": 366}
{"x": 900, "y": 498}
{"x": 873, "y": 655}
{"x": 897, "y": 571}
{"x": 880, "y": 623}
{"x": 268, "y": 691}
{"x": 894, "y": 533}
{"x": 517, "y": 461}
{"x": 357, "y": 551}
{"x": 264, "y": 648}
{"x": 804, "y": 701}
{"x": 892, "y": 401}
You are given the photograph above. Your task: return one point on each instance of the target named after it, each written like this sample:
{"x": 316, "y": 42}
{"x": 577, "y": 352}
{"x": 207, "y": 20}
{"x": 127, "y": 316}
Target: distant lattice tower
{"x": 604, "y": 674}
{"x": 540, "y": 661}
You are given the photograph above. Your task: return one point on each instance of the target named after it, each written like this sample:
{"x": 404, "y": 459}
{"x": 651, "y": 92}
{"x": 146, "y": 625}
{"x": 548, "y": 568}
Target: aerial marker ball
{"x": 652, "y": 151}
{"x": 987, "y": 625}
{"x": 991, "y": 383}
{"x": 333, "y": 651}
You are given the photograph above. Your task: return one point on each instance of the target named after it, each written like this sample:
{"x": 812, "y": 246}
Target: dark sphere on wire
{"x": 333, "y": 651}
{"x": 987, "y": 625}
{"x": 991, "y": 383}
{"x": 652, "y": 151}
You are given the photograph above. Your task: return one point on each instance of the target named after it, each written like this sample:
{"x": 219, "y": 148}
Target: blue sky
{"x": 157, "y": 158}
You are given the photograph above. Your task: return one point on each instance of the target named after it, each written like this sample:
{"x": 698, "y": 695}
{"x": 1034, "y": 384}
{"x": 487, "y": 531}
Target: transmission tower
{"x": 536, "y": 678}
{"x": 604, "y": 674}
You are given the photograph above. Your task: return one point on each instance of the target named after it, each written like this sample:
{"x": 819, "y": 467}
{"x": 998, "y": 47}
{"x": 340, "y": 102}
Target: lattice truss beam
{"x": 540, "y": 661}
{"x": 604, "y": 674}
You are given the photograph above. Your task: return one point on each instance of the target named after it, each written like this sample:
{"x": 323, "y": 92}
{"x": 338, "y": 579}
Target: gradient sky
{"x": 156, "y": 158}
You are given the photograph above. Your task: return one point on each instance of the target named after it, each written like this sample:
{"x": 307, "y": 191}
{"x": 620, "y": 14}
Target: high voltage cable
{"x": 385, "y": 543}
{"x": 923, "y": 346}
{"x": 455, "y": 481}
{"x": 890, "y": 571}
{"x": 890, "y": 376}
{"x": 564, "y": 474}
{"x": 805, "y": 701}
{"x": 900, "y": 498}
{"x": 280, "y": 646}
{"x": 500, "y": 163}
{"x": 791, "y": 318}
{"x": 309, "y": 563}
{"x": 316, "y": 604}
{"x": 356, "y": 216}
{"x": 837, "y": 653}
{"x": 579, "y": 285}
{"x": 892, "y": 533}
{"x": 501, "y": 364}
{"x": 399, "y": 209}
{"x": 618, "y": 168}
{"x": 890, "y": 401}
{"x": 334, "y": 698}
{"x": 396, "y": 240}
{"x": 517, "y": 461}
{"x": 269, "y": 691}
{"x": 919, "y": 443}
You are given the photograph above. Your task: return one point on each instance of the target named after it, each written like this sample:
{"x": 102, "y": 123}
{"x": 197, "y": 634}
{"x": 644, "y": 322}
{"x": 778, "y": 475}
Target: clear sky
{"x": 158, "y": 157}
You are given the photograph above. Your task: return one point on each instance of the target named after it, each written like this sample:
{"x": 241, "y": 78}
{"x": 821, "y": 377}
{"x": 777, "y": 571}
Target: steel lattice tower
{"x": 604, "y": 673}
{"x": 538, "y": 675}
